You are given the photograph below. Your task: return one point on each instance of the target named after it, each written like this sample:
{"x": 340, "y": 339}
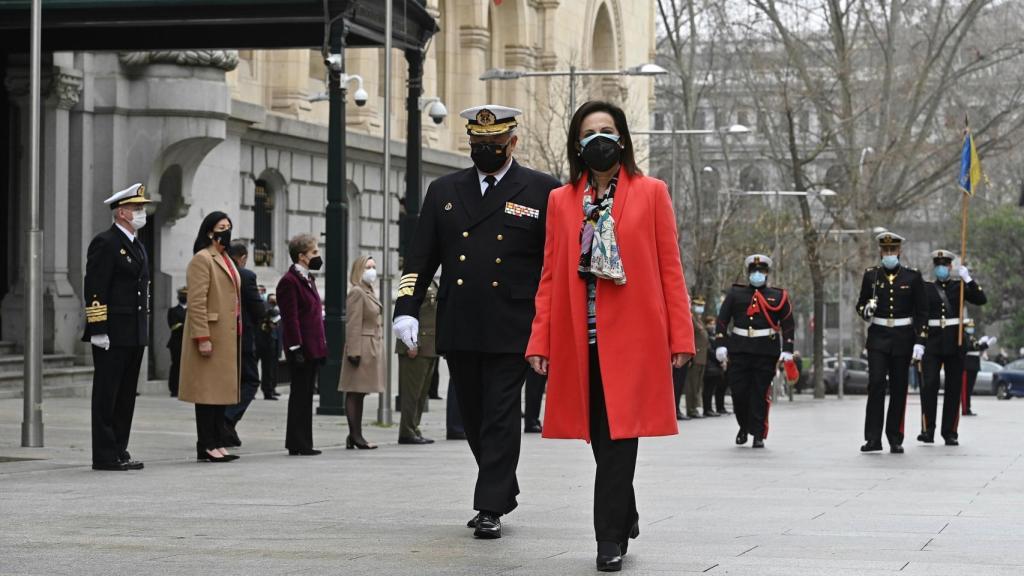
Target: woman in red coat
{"x": 612, "y": 315}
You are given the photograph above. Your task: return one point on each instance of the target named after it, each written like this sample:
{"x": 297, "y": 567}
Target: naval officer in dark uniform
{"x": 893, "y": 300}
{"x": 117, "y": 325}
{"x": 761, "y": 336}
{"x": 945, "y": 350}
{"x": 484, "y": 226}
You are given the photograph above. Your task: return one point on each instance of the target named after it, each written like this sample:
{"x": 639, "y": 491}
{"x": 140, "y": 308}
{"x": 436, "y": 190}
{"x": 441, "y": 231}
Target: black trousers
{"x": 250, "y": 385}
{"x": 114, "y": 382}
{"x": 715, "y": 385}
{"x": 489, "y": 388}
{"x": 678, "y": 384}
{"x": 209, "y": 427}
{"x": 174, "y": 375}
{"x": 299, "y": 433}
{"x": 972, "y": 377}
{"x": 453, "y": 420}
{"x": 268, "y": 368}
{"x": 886, "y": 372}
{"x": 614, "y": 497}
{"x": 953, "y": 389}
{"x": 534, "y": 397}
{"x": 750, "y": 378}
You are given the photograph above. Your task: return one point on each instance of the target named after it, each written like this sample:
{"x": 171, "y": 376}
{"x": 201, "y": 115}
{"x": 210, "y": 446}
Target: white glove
{"x": 100, "y": 341}
{"x": 721, "y": 353}
{"x": 786, "y": 356}
{"x": 869, "y": 309}
{"x": 983, "y": 340}
{"x": 918, "y": 352}
{"x": 964, "y": 274}
{"x": 992, "y": 340}
{"x": 407, "y": 329}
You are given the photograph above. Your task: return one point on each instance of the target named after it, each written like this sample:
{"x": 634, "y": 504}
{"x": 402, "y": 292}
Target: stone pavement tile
{"x": 955, "y": 568}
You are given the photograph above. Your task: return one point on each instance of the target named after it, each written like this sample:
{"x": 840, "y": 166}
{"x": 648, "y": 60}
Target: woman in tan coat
{"x": 210, "y": 360}
{"x": 363, "y": 371}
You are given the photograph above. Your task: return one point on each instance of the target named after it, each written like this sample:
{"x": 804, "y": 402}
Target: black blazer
{"x": 490, "y": 250}
{"x": 176, "y": 322}
{"x": 900, "y": 294}
{"x": 734, "y": 310}
{"x": 252, "y": 309}
{"x": 117, "y": 289}
{"x": 943, "y": 340}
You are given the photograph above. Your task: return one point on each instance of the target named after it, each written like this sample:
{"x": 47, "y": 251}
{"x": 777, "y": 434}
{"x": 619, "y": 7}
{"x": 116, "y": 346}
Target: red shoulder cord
{"x": 759, "y": 304}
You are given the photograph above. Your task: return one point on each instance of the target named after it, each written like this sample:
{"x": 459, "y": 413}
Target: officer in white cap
{"x": 892, "y": 299}
{"x": 944, "y": 351}
{"x": 117, "y": 309}
{"x": 761, "y": 335}
{"x": 484, "y": 226}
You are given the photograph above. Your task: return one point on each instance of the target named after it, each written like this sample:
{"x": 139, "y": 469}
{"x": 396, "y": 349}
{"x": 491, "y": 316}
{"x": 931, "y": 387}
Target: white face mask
{"x": 138, "y": 219}
{"x": 370, "y": 275}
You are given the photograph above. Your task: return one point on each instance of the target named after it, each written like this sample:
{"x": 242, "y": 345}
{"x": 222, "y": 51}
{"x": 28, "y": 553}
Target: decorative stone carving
{"x": 518, "y": 56}
{"x": 225, "y": 60}
{"x": 65, "y": 87}
{"x": 474, "y": 37}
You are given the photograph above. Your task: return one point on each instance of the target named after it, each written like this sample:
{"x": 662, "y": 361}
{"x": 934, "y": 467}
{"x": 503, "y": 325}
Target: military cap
{"x": 134, "y": 194}
{"x": 755, "y": 259}
{"x": 889, "y": 239}
{"x": 490, "y": 119}
{"x": 943, "y": 255}
{"x": 183, "y": 291}
{"x": 969, "y": 322}
{"x": 698, "y": 300}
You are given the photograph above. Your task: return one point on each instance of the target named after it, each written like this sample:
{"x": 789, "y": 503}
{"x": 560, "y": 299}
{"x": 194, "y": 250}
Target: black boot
{"x": 609, "y": 557}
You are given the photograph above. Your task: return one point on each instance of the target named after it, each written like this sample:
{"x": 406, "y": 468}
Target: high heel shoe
{"x": 351, "y": 443}
{"x": 205, "y": 456}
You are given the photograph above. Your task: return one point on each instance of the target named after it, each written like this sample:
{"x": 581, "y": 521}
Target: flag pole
{"x": 963, "y": 262}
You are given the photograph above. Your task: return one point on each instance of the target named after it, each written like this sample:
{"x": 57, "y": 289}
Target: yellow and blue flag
{"x": 970, "y": 165}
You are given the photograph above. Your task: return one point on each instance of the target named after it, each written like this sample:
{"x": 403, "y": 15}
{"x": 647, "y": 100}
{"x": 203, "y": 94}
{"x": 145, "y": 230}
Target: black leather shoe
{"x": 970, "y": 413}
{"x": 488, "y": 526}
{"x": 871, "y": 446}
{"x": 310, "y": 452}
{"x": 533, "y": 428}
{"x": 270, "y": 396}
{"x": 680, "y": 416}
{"x": 132, "y": 464}
{"x": 112, "y": 466}
{"x": 694, "y": 415}
{"x": 711, "y": 414}
{"x": 609, "y": 557}
{"x": 896, "y": 448}
{"x": 414, "y": 440}
{"x": 926, "y": 438}
{"x": 741, "y": 438}
{"x": 952, "y": 442}
{"x": 472, "y": 521}
{"x": 435, "y": 397}
{"x": 758, "y": 442}
{"x": 723, "y": 412}
{"x": 455, "y": 436}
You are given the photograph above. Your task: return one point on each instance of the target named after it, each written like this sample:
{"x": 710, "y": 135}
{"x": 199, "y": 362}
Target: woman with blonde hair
{"x": 362, "y": 371}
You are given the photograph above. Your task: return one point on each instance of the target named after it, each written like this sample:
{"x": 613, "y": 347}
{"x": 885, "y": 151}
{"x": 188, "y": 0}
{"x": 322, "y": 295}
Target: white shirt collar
{"x": 130, "y": 235}
{"x": 497, "y": 176}
{"x": 302, "y": 270}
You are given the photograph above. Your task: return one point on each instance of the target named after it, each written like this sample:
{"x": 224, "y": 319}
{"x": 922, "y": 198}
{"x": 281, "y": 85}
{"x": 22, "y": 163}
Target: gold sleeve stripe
{"x": 412, "y": 277}
{"x": 95, "y": 319}
{"x": 176, "y": 326}
{"x": 405, "y": 292}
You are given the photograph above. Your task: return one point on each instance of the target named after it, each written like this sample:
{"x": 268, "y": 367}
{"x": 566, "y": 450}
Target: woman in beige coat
{"x": 210, "y": 359}
{"x": 363, "y": 371}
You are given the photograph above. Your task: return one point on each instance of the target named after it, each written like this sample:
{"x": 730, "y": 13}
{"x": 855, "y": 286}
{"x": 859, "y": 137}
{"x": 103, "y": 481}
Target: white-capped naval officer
{"x": 484, "y": 226}
{"x": 117, "y": 309}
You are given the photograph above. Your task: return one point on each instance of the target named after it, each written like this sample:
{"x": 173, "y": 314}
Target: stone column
{"x": 470, "y": 91}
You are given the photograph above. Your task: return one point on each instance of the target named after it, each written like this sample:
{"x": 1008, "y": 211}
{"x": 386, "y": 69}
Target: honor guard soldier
{"x": 117, "y": 325}
{"x": 944, "y": 350}
{"x": 972, "y": 361}
{"x": 484, "y": 226}
{"x": 892, "y": 299}
{"x": 761, "y": 335}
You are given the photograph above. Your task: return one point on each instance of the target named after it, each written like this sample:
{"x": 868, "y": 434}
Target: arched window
{"x": 263, "y": 224}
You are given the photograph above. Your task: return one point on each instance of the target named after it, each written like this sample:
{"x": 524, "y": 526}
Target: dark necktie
{"x": 491, "y": 182}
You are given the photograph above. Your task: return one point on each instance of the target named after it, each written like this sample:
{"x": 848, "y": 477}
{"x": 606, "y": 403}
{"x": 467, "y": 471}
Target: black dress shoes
{"x": 758, "y": 442}
{"x": 533, "y": 428}
{"x": 926, "y": 438}
{"x": 723, "y": 412}
{"x": 952, "y": 442}
{"x": 741, "y": 438}
{"x": 414, "y": 440}
{"x": 694, "y": 415}
{"x": 871, "y": 446}
{"x": 896, "y": 448}
{"x": 472, "y": 521}
{"x": 455, "y": 436}
{"x": 711, "y": 414}
{"x": 111, "y": 466}
{"x": 970, "y": 413}
{"x": 680, "y": 416}
{"x": 271, "y": 396}
{"x": 488, "y": 526}
{"x": 309, "y": 452}
{"x": 609, "y": 557}
{"x": 126, "y": 458}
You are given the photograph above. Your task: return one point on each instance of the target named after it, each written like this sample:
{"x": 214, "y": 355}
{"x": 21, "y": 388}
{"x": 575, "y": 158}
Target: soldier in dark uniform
{"x": 117, "y": 325}
{"x": 761, "y": 335}
{"x": 416, "y": 367}
{"x": 484, "y": 226}
{"x": 972, "y": 361}
{"x": 944, "y": 350}
{"x": 892, "y": 298}
{"x": 176, "y": 322}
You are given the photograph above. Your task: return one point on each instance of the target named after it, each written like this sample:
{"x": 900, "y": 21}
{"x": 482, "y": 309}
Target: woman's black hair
{"x": 577, "y": 168}
{"x": 202, "y": 240}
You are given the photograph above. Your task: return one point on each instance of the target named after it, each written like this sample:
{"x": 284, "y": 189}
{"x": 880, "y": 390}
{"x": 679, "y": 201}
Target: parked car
{"x": 855, "y": 376}
{"x": 1009, "y": 381}
{"x": 985, "y": 383}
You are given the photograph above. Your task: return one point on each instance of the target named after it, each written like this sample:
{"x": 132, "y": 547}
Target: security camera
{"x": 334, "y": 62}
{"x": 438, "y": 112}
{"x": 360, "y": 97}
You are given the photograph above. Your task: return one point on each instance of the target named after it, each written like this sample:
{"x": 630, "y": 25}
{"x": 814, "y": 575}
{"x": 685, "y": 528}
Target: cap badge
{"x": 448, "y": 207}
{"x": 485, "y": 117}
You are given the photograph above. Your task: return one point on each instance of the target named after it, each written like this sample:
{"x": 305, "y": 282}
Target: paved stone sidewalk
{"x": 808, "y": 504}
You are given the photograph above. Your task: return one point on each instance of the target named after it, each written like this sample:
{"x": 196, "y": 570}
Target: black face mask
{"x": 182, "y": 300}
{"x": 223, "y": 236}
{"x": 489, "y": 158}
{"x": 315, "y": 263}
{"x": 601, "y": 154}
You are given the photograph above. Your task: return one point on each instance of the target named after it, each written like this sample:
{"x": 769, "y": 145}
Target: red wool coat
{"x": 639, "y": 325}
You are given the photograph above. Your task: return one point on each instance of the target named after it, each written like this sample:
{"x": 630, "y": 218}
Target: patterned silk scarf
{"x": 599, "y": 249}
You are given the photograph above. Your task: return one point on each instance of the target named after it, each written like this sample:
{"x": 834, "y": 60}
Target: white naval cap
{"x": 943, "y": 254}
{"x": 134, "y": 194}
{"x": 888, "y": 239}
{"x": 758, "y": 259}
{"x": 490, "y": 119}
